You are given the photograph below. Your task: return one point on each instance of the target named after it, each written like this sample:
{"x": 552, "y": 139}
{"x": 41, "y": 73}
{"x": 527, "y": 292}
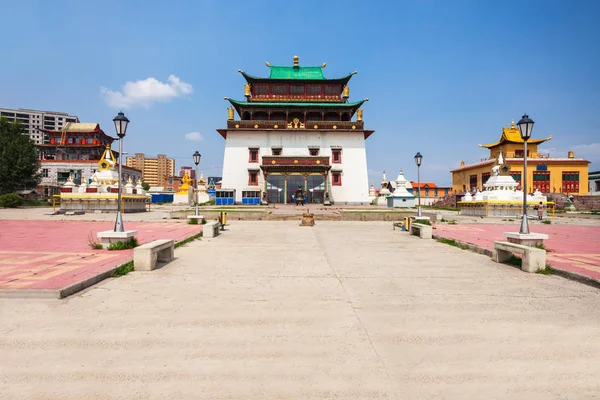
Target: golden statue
{"x": 346, "y": 91}
{"x": 359, "y": 116}
{"x": 185, "y": 183}
{"x": 230, "y": 114}
{"x": 247, "y": 92}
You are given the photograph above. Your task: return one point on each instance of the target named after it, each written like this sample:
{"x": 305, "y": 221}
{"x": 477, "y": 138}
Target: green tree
{"x": 146, "y": 186}
{"x": 19, "y": 165}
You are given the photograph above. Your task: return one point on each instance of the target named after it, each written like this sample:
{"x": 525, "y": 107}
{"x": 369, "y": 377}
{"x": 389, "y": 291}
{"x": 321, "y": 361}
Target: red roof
{"x": 423, "y": 184}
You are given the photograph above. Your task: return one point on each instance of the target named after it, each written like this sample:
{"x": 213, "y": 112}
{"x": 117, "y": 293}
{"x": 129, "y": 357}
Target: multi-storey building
{"x": 35, "y": 121}
{"x": 296, "y": 130}
{"x": 544, "y": 173}
{"x": 74, "y": 151}
{"x": 154, "y": 170}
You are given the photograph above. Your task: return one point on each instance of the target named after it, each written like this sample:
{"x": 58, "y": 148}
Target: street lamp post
{"x": 525, "y": 127}
{"x": 418, "y": 159}
{"x": 196, "y": 161}
{"x": 121, "y": 123}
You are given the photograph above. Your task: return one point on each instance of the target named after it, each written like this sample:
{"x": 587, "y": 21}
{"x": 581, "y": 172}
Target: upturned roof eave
{"x": 252, "y": 79}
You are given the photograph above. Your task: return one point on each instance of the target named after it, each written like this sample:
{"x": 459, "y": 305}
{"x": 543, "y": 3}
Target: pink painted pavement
{"x": 573, "y": 248}
{"x": 52, "y": 255}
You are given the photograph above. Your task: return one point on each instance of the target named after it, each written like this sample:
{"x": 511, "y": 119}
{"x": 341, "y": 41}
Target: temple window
{"x": 278, "y": 90}
{"x": 336, "y": 156}
{"x": 45, "y": 172}
{"x": 313, "y": 90}
{"x": 297, "y": 90}
{"x": 336, "y": 179}
{"x": 472, "y": 182}
{"x": 519, "y": 153}
{"x": 261, "y": 89}
{"x": 332, "y": 90}
{"x": 253, "y": 155}
{"x": 313, "y": 151}
{"x": 252, "y": 178}
{"x": 276, "y": 151}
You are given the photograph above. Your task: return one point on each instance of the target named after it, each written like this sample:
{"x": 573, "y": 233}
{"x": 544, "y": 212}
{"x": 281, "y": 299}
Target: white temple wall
{"x": 355, "y": 186}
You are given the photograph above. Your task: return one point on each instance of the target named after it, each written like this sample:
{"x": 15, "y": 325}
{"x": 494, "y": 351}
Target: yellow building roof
{"x": 512, "y": 135}
{"x": 81, "y": 127}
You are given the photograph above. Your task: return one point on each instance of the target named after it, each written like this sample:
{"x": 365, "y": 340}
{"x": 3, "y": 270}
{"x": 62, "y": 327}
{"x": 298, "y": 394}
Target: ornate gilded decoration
{"x": 247, "y": 91}
{"x": 273, "y": 162}
{"x": 295, "y": 124}
{"x": 323, "y": 65}
{"x": 268, "y": 64}
{"x": 316, "y": 127}
{"x": 295, "y": 161}
{"x": 353, "y": 126}
{"x": 346, "y": 92}
{"x": 230, "y": 113}
{"x": 255, "y": 126}
{"x": 296, "y": 61}
{"x": 318, "y": 161}
{"x": 359, "y": 115}
{"x": 237, "y": 125}
{"x": 276, "y": 126}
{"x": 335, "y": 127}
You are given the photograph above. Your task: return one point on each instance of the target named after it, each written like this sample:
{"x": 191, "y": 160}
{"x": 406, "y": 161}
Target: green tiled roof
{"x": 303, "y": 73}
{"x": 294, "y": 104}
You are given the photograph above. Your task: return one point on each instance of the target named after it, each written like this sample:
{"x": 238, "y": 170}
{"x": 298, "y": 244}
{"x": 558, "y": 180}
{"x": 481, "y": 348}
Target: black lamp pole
{"x": 525, "y": 127}
{"x": 418, "y": 160}
{"x": 121, "y": 123}
{"x": 196, "y": 156}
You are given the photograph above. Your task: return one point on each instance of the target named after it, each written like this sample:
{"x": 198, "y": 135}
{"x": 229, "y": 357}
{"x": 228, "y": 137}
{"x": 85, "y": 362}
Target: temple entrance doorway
{"x": 282, "y": 188}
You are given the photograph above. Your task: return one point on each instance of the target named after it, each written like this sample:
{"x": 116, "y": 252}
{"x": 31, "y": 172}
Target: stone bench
{"x": 146, "y": 256}
{"x": 533, "y": 259}
{"x": 421, "y": 230}
{"x": 210, "y": 229}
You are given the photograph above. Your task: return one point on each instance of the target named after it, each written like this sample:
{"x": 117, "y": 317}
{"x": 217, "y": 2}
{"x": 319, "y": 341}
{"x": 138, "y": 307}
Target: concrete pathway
{"x": 45, "y": 258}
{"x": 343, "y": 310}
{"x": 573, "y": 248}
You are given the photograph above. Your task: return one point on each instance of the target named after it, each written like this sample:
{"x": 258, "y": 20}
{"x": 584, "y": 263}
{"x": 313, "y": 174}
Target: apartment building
{"x": 154, "y": 170}
{"x": 34, "y": 120}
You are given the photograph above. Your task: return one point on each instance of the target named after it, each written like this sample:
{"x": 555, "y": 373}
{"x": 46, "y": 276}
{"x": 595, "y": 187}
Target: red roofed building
{"x": 430, "y": 192}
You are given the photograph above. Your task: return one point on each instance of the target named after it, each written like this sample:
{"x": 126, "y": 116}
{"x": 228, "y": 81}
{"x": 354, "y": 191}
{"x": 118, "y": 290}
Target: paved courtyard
{"x": 41, "y": 258}
{"x": 572, "y": 248}
{"x": 343, "y": 310}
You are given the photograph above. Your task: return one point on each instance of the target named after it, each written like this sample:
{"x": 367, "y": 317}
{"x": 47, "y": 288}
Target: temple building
{"x": 544, "y": 173}
{"x": 296, "y": 130}
{"x": 73, "y": 153}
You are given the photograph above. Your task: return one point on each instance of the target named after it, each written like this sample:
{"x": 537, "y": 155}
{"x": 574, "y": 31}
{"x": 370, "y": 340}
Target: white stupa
{"x": 401, "y": 196}
{"x": 383, "y": 192}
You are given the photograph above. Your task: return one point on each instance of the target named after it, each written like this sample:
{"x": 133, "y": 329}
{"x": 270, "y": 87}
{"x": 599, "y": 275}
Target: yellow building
{"x": 549, "y": 175}
{"x": 154, "y": 170}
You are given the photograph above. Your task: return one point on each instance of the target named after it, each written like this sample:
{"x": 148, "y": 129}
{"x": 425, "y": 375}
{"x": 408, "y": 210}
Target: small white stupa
{"x": 372, "y": 191}
{"x": 203, "y": 196}
{"x": 401, "y": 197}
{"x": 384, "y": 192}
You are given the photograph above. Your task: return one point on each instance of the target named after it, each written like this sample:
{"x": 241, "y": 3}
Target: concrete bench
{"x": 533, "y": 259}
{"x": 147, "y": 255}
{"x": 210, "y": 229}
{"x": 421, "y": 230}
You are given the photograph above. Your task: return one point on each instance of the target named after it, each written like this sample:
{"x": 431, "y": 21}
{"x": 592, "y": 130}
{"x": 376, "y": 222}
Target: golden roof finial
{"x": 268, "y": 63}
{"x": 512, "y": 124}
{"x": 323, "y": 65}
{"x": 296, "y": 61}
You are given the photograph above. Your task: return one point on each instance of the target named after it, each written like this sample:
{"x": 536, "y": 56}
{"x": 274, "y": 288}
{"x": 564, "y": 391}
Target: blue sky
{"x": 442, "y": 76}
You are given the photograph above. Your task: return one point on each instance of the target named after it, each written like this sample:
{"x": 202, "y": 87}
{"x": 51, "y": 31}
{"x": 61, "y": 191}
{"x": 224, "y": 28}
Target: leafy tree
{"x": 146, "y": 186}
{"x": 19, "y": 165}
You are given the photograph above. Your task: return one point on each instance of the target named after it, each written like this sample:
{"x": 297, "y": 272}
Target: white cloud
{"x": 145, "y": 92}
{"x": 196, "y": 136}
{"x": 590, "y": 152}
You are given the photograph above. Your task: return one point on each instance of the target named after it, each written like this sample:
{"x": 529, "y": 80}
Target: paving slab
{"x": 44, "y": 258}
{"x": 341, "y": 310}
{"x": 572, "y": 248}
